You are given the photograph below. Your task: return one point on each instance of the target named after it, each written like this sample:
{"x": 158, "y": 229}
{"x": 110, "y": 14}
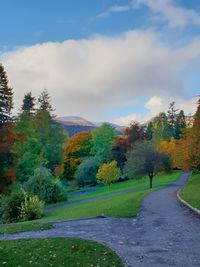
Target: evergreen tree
{"x": 172, "y": 117}
{"x": 44, "y": 102}
{"x": 6, "y": 98}
{"x": 179, "y": 125}
{"x": 28, "y": 103}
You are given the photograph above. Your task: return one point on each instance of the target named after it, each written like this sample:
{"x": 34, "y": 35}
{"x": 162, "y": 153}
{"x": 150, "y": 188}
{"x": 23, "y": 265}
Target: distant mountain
{"x": 75, "y": 124}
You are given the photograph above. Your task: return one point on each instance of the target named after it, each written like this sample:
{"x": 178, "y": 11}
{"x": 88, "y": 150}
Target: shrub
{"x": 19, "y": 206}
{"x": 47, "y": 187}
{"x": 10, "y": 206}
{"x": 108, "y": 173}
{"x": 86, "y": 172}
{"x": 31, "y": 207}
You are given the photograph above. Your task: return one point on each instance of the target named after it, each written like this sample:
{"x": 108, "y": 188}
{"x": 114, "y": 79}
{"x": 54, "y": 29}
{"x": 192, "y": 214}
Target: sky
{"x": 104, "y": 60}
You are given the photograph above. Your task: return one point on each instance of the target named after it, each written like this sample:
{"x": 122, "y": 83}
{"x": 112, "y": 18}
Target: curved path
{"x": 164, "y": 234}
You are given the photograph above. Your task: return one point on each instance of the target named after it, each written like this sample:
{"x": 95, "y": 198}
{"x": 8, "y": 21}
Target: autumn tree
{"x": 134, "y": 133}
{"x": 144, "y": 159}
{"x": 195, "y": 141}
{"x": 108, "y": 173}
{"x": 75, "y": 149}
{"x": 102, "y": 141}
{"x": 7, "y": 173}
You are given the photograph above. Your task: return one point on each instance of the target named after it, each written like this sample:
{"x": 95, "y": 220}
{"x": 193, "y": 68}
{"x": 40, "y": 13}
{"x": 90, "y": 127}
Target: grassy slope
{"x": 23, "y": 227}
{"x": 166, "y": 178}
{"x": 125, "y": 205}
{"x": 191, "y": 191}
{"x": 56, "y": 252}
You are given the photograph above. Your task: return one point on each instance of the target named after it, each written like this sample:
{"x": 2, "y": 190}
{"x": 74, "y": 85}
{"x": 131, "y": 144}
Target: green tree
{"x": 28, "y": 105}
{"x": 86, "y": 172}
{"x": 180, "y": 124}
{"x": 102, "y": 141}
{"x": 6, "y": 98}
{"x": 161, "y": 128}
{"x": 144, "y": 159}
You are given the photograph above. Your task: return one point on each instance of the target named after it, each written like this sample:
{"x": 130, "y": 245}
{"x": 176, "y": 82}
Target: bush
{"x": 19, "y": 206}
{"x": 31, "y": 207}
{"x": 10, "y": 206}
{"x": 86, "y": 172}
{"x": 47, "y": 187}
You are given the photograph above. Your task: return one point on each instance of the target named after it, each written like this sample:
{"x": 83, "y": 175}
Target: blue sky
{"x": 36, "y": 35}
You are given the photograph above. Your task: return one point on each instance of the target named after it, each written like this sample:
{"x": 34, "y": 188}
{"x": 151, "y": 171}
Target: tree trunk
{"x": 151, "y": 180}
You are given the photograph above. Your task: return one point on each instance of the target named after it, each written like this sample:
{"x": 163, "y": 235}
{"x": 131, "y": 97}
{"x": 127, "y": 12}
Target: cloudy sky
{"x": 105, "y": 60}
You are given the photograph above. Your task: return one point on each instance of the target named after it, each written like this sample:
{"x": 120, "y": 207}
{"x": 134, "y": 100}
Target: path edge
{"x": 197, "y": 211}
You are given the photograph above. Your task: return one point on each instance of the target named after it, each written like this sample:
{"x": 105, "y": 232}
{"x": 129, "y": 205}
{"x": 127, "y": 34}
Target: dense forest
{"x": 39, "y": 161}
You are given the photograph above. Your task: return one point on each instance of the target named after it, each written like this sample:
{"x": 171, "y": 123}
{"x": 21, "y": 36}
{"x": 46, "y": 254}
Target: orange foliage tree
{"x": 76, "y": 148}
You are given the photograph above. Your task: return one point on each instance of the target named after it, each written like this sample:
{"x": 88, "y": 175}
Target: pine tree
{"x": 6, "y": 98}
{"x": 44, "y": 102}
{"x": 28, "y": 103}
{"x": 172, "y": 117}
{"x": 179, "y": 125}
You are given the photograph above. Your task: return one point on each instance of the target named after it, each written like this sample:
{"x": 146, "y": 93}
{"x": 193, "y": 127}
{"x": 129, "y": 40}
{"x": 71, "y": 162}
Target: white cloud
{"x": 174, "y": 15}
{"x": 86, "y": 77}
{"x": 155, "y": 105}
{"x": 165, "y": 10}
{"x": 114, "y": 9}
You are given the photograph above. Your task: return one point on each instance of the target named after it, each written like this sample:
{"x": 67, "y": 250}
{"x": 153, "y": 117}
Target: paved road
{"x": 164, "y": 234}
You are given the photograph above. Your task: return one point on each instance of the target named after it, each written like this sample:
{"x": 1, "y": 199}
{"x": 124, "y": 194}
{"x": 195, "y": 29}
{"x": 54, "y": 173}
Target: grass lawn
{"x": 23, "y": 227}
{"x": 103, "y": 190}
{"x": 56, "y": 252}
{"x": 191, "y": 191}
{"x": 125, "y": 206}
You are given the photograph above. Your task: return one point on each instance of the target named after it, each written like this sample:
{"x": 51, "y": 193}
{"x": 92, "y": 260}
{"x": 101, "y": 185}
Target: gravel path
{"x": 164, "y": 234}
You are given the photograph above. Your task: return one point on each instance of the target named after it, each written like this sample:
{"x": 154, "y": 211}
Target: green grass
{"x": 56, "y": 252}
{"x": 130, "y": 184}
{"x": 191, "y": 191}
{"x": 125, "y": 205}
{"x": 23, "y": 227}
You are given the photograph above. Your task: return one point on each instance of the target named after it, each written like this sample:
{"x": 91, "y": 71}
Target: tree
{"x": 75, "y": 149}
{"x": 161, "y": 128}
{"x": 6, "y": 98}
{"x": 119, "y": 150}
{"x": 180, "y": 124}
{"x": 44, "y": 102}
{"x": 108, "y": 173}
{"x": 149, "y": 131}
{"x": 7, "y": 173}
{"x": 134, "y": 134}
{"x": 102, "y": 141}
{"x": 144, "y": 159}
{"x": 195, "y": 141}
{"x": 86, "y": 172}
{"x": 28, "y": 103}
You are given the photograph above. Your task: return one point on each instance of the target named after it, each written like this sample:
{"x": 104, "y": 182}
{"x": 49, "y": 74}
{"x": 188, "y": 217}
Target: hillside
{"x": 75, "y": 124}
